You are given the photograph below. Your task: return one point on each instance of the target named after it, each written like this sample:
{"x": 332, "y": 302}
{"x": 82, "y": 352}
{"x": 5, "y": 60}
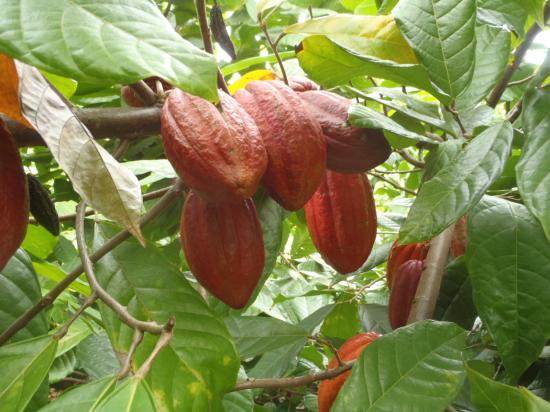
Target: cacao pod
{"x": 220, "y": 155}
{"x": 14, "y": 197}
{"x": 132, "y": 99}
{"x": 403, "y": 291}
{"x": 293, "y": 139}
{"x": 42, "y": 206}
{"x": 350, "y": 350}
{"x": 460, "y": 237}
{"x": 302, "y": 84}
{"x": 223, "y": 245}
{"x": 399, "y": 254}
{"x": 341, "y": 218}
{"x": 349, "y": 149}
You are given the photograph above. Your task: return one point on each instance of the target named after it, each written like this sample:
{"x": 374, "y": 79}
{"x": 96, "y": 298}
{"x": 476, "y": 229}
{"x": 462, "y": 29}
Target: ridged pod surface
{"x": 460, "y": 237}
{"x": 302, "y": 84}
{"x": 341, "y": 219}
{"x": 132, "y": 99}
{"x": 223, "y": 245}
{"x": 349, "y": 149}
{"x": 350, "y": 350}
{"x": 293, "y": 139}
{"x": 403, "y": 291}
{"x": 14, "y": 198}
{"x": 220, "y": 155}
{"x": 399, "y": 254}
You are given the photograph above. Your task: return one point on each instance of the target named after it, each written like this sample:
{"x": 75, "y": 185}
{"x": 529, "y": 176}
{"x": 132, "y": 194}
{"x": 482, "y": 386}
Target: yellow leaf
{"x": 250, "y": 76}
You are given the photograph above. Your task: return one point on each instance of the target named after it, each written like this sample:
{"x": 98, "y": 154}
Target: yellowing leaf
{"x": 9, "y": 90}
{"x": 250, "y": 76}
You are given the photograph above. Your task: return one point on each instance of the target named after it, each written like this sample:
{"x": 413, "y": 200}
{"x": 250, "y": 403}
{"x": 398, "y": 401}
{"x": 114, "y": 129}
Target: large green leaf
{"x": 375, "y": 36}
{"x": 82, "y": 398}
{"x": 534, "y": 8}
{"x": 20, "y": 291}
{"x": 417, "y": 368}
{"x": 491, "y": 396}
{"x": 133, "y": 395}
{"x": 104, "y": 41}
{"x": 200, "y": 363}
{"x": 533, "y": 168}
{"x": 492, "y": 50}
{"x": 456, "y": 188}
{"x": 442, "y": 34}
{"x": 441, "y": 156}
{"x": 502, "y": 13}
{"x": 24, "y": 366}
{"x": 508, "y": 259}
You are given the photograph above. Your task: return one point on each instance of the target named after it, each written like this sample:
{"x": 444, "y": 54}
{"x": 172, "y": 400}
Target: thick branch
{"x": 47, "y": 300}
{"x": 428, "y": 288}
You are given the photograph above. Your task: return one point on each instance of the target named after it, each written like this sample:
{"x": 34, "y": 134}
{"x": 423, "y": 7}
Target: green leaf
{"x": 82, "y": 398}
{"x": 363, "y": 116}
{"x": 200, "y": 361}
{"x": 533, "y": 168}
{"x": 62, "y": 367}
{"x": 239, "y": 401}
{"x": 78, "y": 331}
{"x": 508, "y": 259}
{"x": 255, "y": 335}
{"x": 456, "y": 188}
{"x": 39, "y": 242}
{"x": 53, "y": 272}
{"x": 374, "y": 36}
{"x": 96, "y": 356}
{"x": 331, "y": 65}
{"x": 455, "y": 302}
{"x": 492, "y": 50}
{"x": 20, "y": 291}
{"x": 502, "y": 13}
{"x": 441, "y": 156}
{"x": 418, "y": 367}
{"x": 534, "y": 8}
{"x": 98, "y": 42}
{"x": 132, "y": 395}
{"x": 24, "y": 366}
{"x": 252, "y": 61}
{"x": 491, "y": 396}
{"x": 343, "y": 321}
{"x": 442, "y": 34}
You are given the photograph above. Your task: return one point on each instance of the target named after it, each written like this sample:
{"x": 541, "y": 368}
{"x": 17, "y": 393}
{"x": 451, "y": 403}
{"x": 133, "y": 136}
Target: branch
{"x": 273, "y": 46}
{"x": 47, "y": 300}
{"x": 428, "y": 288}
{"x": 163, "y": 341}
{"x": 392, "y": 183}
{"x": 405, "y": 155}
{"x": 127, "y": 366}
{"x": 65, "y": 328}
{"x": 144, "y": 92}
{"x": 292, "y": 382}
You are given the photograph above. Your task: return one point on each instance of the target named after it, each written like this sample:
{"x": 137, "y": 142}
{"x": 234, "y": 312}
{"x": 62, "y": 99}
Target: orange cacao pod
{"x": 341, "y": 218}
{"x": 350, "y": 350}
{"x": 349, "y": 149}
{"x": 403, "y": 291}
{"x": 14, "y": 197}
{"x": 460, "y": 237}
{"x": 399, "y": 254}
{"x": 220, "y": 155}
{"x": 223, "y": 245}
{"x": 293, "y": 139}
{"x": 302, "y": 84}
{"x": 132, "y": 99}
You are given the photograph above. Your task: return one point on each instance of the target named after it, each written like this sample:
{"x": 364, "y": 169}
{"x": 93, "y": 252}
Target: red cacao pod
{"x": 403, "y": 291}
{"x": 293, "y": 139}
{"x": 460, "y": 237}
{"x": 132, "y": 99}
{"x": 341, "y": 218}
{"x": 399, "y": 254}
{"x": 223, "y": 245}
{"x": 14, "y": 197}
{"x": 350, "y": 350}
{"x": 302, "y": 84}
{"x": 349, "y": 149}
{"x": 220, "y": 155}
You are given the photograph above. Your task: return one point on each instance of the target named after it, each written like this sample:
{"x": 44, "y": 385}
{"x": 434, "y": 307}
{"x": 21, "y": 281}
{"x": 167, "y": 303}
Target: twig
{"x": 292, "y": 382}
{"x": 427, "y": 292}
{"x": 145, "y": 93}
{"x": 514, "y": 113}
{"x": 163, "y": 341}
{"x": 127, "y": 366}
{"x": 392, "y": 183}
{"x": 273, "y": 46}
{"x": 391, "y": 172}
{"x": 168, "y": 8}
{"x": 524, "y": 80}
{"x": 48, "y": 299}
{"x": 65, "y": 328}
{"x": 405, "y": 155}
{"x": 121, "y": 311}
{"x": 457, "y": 119}
{"x": 328, "y": 344}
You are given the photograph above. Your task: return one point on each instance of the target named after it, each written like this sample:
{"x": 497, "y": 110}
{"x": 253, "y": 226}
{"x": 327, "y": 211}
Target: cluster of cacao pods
{"x": 350, "y": 350}
{"x": 284, "y": 137}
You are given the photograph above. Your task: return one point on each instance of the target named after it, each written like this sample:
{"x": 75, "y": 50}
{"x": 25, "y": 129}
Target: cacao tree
{"x": 275, "y": 205}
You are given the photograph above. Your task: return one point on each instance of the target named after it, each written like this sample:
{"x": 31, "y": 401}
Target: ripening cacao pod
{"x": 341, "y": 218}
{"x": 293, "y": 140}
{"x": 42, "y": 206}
{"x": 302, "y": 84}
{"x": 221, "y": 155}
{"x": 349, "y": 149}
{"x": 403, "y": 291}
{"x": 132, "y": 99}
{"x": 14, "y": 197}
{"x": 399, "y": 254}
{"x": 223, "y": 245}
{"x": 350, "y": 350}
{"x": 460, "y": 237}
